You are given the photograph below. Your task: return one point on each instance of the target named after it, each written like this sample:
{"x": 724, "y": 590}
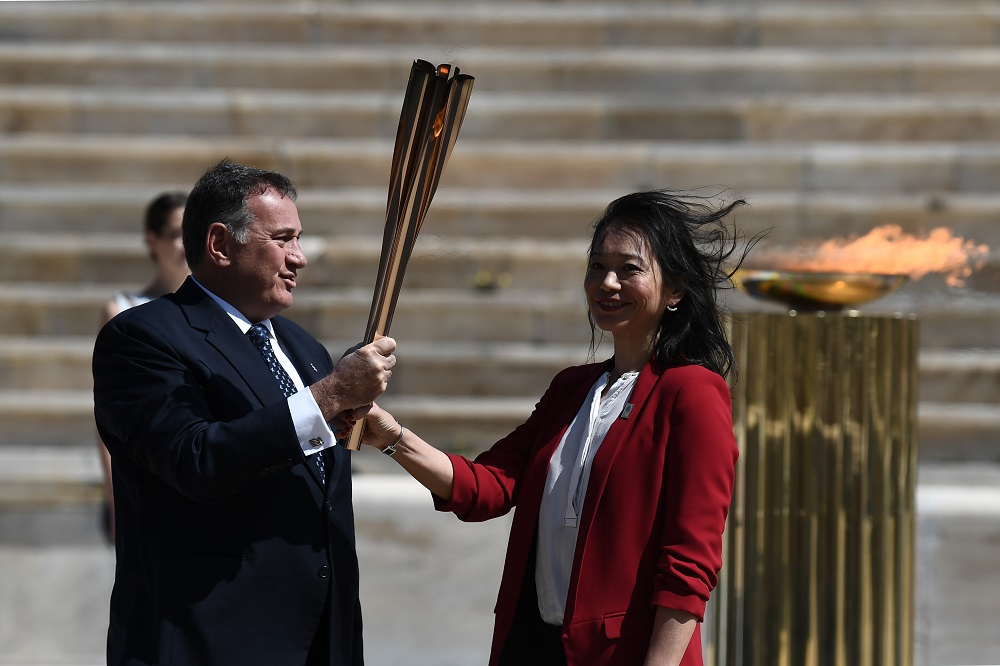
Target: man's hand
{"x": 358, "y": 378}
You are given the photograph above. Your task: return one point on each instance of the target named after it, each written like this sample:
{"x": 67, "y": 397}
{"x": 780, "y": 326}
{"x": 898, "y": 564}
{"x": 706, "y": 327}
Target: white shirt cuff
{"x": 312, "y": 430}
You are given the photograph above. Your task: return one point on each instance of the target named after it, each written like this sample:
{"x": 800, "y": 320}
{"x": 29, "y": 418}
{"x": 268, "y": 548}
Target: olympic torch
{"x": 433, "y": 109}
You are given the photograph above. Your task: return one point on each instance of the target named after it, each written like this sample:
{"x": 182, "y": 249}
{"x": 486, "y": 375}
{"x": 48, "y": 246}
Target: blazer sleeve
{"x": 151, "y": 403}
{"x": 488, "y": 486}
{"x": 699, "y": 475}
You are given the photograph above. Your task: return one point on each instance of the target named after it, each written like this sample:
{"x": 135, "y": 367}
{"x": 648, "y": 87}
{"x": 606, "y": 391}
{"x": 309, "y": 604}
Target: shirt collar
{"x": 233, "y": 313}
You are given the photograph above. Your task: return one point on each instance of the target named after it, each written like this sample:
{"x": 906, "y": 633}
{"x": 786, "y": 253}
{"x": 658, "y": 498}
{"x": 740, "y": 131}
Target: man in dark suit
{"x": 235, "y": 525}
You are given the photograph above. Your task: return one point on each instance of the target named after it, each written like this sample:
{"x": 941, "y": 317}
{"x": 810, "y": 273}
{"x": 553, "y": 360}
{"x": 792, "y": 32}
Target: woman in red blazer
{"x": 623, "y": 474}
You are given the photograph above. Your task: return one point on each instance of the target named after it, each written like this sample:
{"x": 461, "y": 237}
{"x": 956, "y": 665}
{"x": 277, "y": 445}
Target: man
{"x": 235, "y": 526}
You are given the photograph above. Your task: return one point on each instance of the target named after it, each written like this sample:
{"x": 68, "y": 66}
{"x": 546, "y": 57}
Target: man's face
{"x": 263, "y": 270}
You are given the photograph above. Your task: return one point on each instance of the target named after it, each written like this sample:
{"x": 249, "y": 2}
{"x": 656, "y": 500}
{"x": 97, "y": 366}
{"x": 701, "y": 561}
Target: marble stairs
{"x": 829, "y": 118}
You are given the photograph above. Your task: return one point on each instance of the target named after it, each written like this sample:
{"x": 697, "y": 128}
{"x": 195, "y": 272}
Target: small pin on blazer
{"x": 626, "y": 411}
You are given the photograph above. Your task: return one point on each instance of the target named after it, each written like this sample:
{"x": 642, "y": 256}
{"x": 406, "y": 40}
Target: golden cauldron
{"x": 804, "y": 290}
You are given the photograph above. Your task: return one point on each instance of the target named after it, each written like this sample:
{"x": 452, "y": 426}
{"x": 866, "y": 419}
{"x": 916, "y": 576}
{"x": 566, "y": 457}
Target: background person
{"x": 235, "y": 527}
{"x": 162, "y": 229}
{"x": 623, "y": 474}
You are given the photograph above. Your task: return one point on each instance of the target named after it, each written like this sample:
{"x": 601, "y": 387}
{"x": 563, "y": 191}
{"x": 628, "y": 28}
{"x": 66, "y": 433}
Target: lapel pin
{"x": 626, "y": 411}
{"x": 313, "y": 367}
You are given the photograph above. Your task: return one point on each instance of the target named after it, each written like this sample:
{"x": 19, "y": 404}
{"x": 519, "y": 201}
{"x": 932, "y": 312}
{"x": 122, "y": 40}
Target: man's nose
{"x": 297, "y": 255}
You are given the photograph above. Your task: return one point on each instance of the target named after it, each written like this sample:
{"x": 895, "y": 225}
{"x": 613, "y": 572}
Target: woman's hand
{"x": 382, "y": 429}
{"x": 343, "y": 423}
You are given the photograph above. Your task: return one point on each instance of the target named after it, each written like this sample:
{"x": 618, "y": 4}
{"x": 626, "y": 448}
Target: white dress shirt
{"x": 311, "y": 429}
{"x": 566, "y": 488}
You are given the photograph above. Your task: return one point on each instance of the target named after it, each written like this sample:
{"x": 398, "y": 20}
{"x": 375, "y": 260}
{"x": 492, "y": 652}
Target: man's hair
{"x": 222, "y": 195}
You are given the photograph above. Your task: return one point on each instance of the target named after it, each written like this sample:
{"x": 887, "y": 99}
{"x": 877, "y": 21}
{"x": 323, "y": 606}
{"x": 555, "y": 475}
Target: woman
{"x": 163, "y": 242}
{"x": 623, "y": 474}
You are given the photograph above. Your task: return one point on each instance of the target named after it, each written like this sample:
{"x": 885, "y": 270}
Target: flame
{"x": 439, "y": 122}
{"x": 888, "y": 250}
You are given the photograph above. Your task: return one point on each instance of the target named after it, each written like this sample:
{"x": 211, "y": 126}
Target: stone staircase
{"x": 830, "y": 118}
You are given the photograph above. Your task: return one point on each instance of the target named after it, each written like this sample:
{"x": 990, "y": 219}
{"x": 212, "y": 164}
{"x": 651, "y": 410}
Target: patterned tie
{"x": 262, "y": 340}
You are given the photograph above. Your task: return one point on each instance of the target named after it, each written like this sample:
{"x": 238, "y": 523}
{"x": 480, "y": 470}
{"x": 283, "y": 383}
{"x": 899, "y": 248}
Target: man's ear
{"x": 218, "y": 245}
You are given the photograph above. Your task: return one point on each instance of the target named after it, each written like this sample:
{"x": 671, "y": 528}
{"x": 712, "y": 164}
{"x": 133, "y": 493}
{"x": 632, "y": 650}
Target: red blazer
{"x": 651, "y": 530}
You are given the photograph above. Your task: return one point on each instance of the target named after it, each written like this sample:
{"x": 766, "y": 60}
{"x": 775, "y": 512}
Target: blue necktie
{"x": 262, "y": 340}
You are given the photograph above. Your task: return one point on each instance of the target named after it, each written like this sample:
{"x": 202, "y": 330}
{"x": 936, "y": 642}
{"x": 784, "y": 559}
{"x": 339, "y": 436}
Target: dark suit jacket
{"x": 651, "y": 529}
{"x": 227, "y": 545}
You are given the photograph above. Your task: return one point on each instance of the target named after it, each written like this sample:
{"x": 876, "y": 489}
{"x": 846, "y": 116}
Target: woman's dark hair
{"x": 691, "y": 244}
{"x": 222, "y": 195}
{"x": 159, "y": 209}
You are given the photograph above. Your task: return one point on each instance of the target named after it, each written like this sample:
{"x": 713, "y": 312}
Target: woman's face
{"x": 625, "y": 289}
{"x": 167, "y": 248}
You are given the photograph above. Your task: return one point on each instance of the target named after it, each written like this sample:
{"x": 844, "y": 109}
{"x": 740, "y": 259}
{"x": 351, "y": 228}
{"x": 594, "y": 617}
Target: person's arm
{"x": 108, "y": 313}
{"x": 672, "y": 631}
{"x": 701, "y": 455}
{"x": 431, "y": 467}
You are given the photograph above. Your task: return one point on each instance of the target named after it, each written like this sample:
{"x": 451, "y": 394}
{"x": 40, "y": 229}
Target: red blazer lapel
{"x": 569, "y": 402}
{"x": 620, "y": 430}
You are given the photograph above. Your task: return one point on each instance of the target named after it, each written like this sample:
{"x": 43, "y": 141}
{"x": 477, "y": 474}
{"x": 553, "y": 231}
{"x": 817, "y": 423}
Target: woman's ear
{"x": 673, "y": 293}
{"x": 218, "y": 244}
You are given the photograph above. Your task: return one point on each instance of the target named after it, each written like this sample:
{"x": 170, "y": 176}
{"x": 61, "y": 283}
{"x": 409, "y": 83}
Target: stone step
{"x": 49, "y": 476}
{"x": 523, "y": 315}
{"x": 502, "y": 369}
{"x": 624, "y": 69}
{"x": 946, "y": 431}
{"x": 971, "y": 376}
{"x": 462, "y": 314}
{"x": 897, "y": 168}
{"x": 518, "y": 116}
{"x": 474, "y": 369}
{"x": 950, "y": 318}
{"x": 351, "y": 261}
{"x": 473, "y": 213}
{"x": 956, "y": 432}
{"x": 577, "y": 24}
{"x": 117, "y": 261}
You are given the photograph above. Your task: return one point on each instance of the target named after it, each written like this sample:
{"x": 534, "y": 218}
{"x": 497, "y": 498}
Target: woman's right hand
{"x": 382, "y": 429}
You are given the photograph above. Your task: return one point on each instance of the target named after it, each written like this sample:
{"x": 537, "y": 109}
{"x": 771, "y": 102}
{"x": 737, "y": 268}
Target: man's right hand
{"x": 357, "y": 379}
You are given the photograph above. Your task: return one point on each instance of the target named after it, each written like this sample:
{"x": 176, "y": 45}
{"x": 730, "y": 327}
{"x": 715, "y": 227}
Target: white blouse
{"x": 566, "y": 488}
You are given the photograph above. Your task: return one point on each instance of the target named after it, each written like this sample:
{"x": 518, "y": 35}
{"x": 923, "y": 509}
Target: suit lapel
{"x": 310, "y": 369}
{"x": 568, "y": 404}
{"x": 619, "y": 433}
{"x": 222, "y": 333}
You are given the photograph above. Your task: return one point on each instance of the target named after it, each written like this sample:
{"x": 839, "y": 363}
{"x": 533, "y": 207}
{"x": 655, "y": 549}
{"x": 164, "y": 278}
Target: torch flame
{"x": 439, "y": 123}
{"x": 887, "y": 250}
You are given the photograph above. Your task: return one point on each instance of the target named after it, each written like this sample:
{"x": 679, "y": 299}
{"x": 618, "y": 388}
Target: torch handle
{"x": 354, "y": 441}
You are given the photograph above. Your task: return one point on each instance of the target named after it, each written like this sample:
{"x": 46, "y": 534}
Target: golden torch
{"x": 433, "y": 109}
